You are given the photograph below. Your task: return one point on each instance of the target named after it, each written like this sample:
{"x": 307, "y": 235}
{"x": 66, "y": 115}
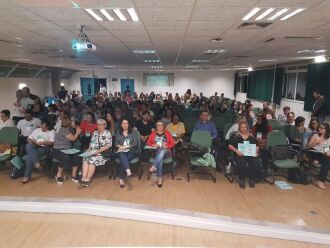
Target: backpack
{"x": 15, "y": 173}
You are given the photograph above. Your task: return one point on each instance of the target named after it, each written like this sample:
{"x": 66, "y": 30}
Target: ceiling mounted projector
{"x": 82, "y": 43}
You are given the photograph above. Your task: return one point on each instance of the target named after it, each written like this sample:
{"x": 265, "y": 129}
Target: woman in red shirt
{"x": 87, "y": 126}
{"x": 163, "y": 141}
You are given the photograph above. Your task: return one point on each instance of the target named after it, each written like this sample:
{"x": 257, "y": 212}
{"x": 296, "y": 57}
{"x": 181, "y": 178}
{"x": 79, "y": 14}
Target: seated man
{"x": 5, "y": 119}
{"x": 28, "y": 124}
{"x": 205, "y": 124}
{"x": 145, "y": 127}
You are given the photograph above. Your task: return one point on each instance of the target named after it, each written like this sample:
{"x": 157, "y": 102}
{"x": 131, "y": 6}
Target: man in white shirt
{"x": 28, "y": 124}
{"x": 38, "y": 145}
{"x": 5, "y": 119}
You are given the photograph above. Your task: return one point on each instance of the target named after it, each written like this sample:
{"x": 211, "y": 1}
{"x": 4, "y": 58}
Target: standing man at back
{"x": 320, "y": 106}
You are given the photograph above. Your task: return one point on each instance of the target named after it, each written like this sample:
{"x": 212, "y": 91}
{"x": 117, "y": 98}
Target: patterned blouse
{"x": 98, "y": 141}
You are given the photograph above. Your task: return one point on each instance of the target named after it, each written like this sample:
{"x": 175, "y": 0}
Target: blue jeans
{"x": 124, "y": 158}
{"x": 32, "y": 157}
{"x": 160, "y": 154}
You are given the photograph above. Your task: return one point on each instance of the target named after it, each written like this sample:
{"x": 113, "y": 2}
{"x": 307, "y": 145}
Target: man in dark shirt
{"x": 320, "y": 106}
{"x": 145, "y": 126}
{"x": 63, "y": 95}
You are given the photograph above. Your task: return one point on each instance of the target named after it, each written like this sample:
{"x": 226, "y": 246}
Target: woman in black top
{"x": 246, "y": 165}
{"x": 127, "y": 149}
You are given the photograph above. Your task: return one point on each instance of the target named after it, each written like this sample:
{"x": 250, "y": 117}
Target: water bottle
{"x": 228, "y": 168}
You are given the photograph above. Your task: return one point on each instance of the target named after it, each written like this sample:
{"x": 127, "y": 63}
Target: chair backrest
{"x": 201, "y": 138}
{"x": 285, "y": 129}
{"x": 138, "y": 138}
{"x": 9, "y": 135}
{"x": 227, "y": 127}
{"x": 219, "y": 122}
{"x": 189, "y": 124}
{"x": 276, "y": 138}
{"x": 306, "y": 138}
{"x": 275, "y": 124}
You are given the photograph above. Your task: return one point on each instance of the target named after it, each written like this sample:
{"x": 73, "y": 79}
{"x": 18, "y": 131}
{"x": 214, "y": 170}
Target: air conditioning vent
{"x": 254, "y": 25}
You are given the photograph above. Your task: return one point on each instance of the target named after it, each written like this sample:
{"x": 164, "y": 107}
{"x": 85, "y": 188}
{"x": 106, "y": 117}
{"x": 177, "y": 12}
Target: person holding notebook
{"x": 163, "y": 142}
{"x": 247, "y": 164}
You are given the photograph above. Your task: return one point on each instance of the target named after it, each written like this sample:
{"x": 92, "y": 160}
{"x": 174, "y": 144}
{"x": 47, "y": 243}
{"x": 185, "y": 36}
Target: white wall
{"x": 38, "y": 86}
{"x": 206, "y": 82}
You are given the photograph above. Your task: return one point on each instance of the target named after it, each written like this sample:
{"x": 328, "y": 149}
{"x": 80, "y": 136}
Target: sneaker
{"x": 75, "y": 179}
{"x": 59, "y": 180}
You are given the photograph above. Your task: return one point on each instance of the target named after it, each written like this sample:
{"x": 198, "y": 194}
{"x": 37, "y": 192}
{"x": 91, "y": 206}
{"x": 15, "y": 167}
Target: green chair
{"x": 134, "y": 162}
{"x": 256, "y": 110}
{"x": 202, "y": 139}
{"x": 219, "y": 122}
{"x": 226, "y": 128}
{"x": 189, "y": 123}
{"x": 275, "y": 124}
{"x": 285, "y": 129}
{"x": 9, "y": 135}
{"x": 277, "y": 143}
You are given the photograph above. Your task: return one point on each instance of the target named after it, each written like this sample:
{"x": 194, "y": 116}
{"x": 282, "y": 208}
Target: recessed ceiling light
{"x": 292, "y": 14}
{"x": 133, "y": 14}
{"x": 266, "y": 13}
{"x": 107, "y": 15}
{"x": 267, "y": 60}
{"x": 320, "y": 59}
{"x": 92, "y": 13}
{"x": 250, "y": 68}
{"x": 120, "y": 15}
{"x": 21, "y": 85}
{"x": 192, "y": 66}
{"x": 144, "y": 51}
{"x": 217, "y": 39}
{"x": 75, "y": 5}
{"x": 151, "y": 60}
{"x": 307, "y": 51}
{"x": 216, "y": 51}
{"x": 25, "y": 60}
{"x": 200, "y": 60}
{"x": 251, "y": 13}
{"x": 277, "y": 14}
{"x": 109, "y": 66}
{"x": 156, "y": 67}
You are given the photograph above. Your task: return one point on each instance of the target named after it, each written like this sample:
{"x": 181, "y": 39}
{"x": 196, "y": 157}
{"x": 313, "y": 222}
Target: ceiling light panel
{"x": 106, "y": 14}
{"x": 215, "y": 51}
{"x": 144, "y": 51}
{"x": 271, "y": 14}
{"x": 200, "y": 60}
{"x": 152, "y": 60}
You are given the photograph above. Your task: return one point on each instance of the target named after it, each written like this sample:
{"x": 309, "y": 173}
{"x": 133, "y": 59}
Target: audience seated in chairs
{"x": 99, "y": 148}
{"x": 39, "y": 142}
{"x": 63, "y": 141}
{"x": 296, "y": 132}
{"x": 163, "y": 141}
{"x": 127, "y": 150}
{"x": 177, "y": 129}
{"x": 247, "y": 166}
{"x": 319, "y": 144}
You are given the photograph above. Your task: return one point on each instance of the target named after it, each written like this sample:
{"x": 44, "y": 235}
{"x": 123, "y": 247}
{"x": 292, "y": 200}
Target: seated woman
{"x": 234, "y": 127}
{"x": 291, "y": 119}
{"x": 110, "y": 123}
{"x": 127, "y": 149}
{"x": 177, "y": 129}
{"x": 87, "y": 126}
{"x": 246, "y": 165}
{"x": 260, "y": 131}
{"x": 296, "y": 132}
{"x": 163, "y": 141}
{"x": 313, "y": 125}
{"x": 99, "y": 146}
{"x": 63, "y": 141}
{"x": 38, "y": 145}
{"x": 249, "y": 115}
{"x": 320, "y": 144}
